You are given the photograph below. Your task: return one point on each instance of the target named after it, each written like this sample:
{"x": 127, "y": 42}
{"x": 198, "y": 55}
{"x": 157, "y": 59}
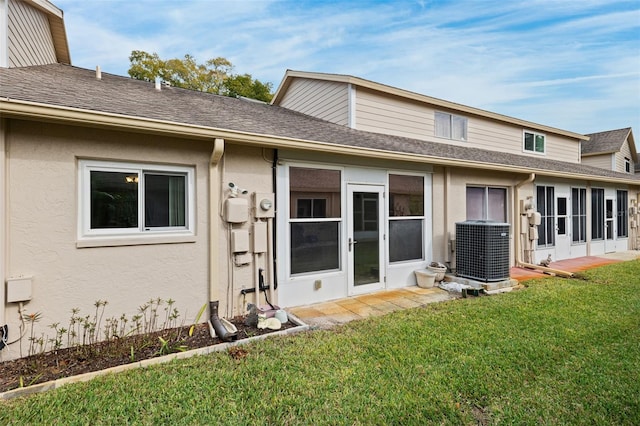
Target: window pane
{"x": 314, "y": 247}
{"x": 475, "y": 203}
{"x": 314, "y": 193}
{"x": 443, "y": 125}
{"x": 562, "y": 206}
{"x": 164, "y": 200}
{"x": 406, "y": 195}
{"x": 114, "y": 200}
{"x": 528, "y": 141}
{"x": 458, "y": 128}
{"x": 623, "y": 211}
{"x": 597, "y": 214}
{"x": 539, "y": 143}
{"x": 405, "y": 240}
{"x": 497, "y": 205}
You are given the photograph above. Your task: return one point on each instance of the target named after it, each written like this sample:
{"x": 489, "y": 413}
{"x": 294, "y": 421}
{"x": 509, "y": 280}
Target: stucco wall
{"x": 42, "y": 228}
{"x": 250, "y": 169}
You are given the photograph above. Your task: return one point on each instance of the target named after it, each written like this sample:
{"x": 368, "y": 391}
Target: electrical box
{"x": 263, "y": 205}
{"x": 236, "y": 210}
{"x": 19, "y": 289}
{"x": 239, "y": 240}
{"x": 524, "y": 224}
{"x": 535, "y": 219}
{"x": 260, "y": 244}
{"x": 533, "y": 233}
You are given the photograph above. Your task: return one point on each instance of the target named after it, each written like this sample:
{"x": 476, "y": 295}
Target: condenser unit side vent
{"x": 482, "y": 250}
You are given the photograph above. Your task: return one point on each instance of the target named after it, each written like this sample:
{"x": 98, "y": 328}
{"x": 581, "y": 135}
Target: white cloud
{"x": 569, "y": 64}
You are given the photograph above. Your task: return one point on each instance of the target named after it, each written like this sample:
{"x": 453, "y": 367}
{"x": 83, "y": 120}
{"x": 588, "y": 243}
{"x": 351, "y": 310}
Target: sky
{"x": 569, "y": 64}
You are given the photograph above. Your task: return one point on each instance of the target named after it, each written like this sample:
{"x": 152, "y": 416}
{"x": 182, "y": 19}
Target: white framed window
{"x": 627, "y": 165}
{"x": 579, "y": 215}
{"x": 315, "y": 219}
{"x": 534, "y": 142}
{"x": 450, "y": 126}
{"x": 545, "y": 200}
{"x": 132, "y": 199}
{"x": 486, "y": 203}
{"x": 406, "y": 217}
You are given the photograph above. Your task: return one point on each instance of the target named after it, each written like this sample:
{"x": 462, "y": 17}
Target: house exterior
{"x": 121, "y": 190}
{"x": 613, "y": 150}
{"x": 507, "y": 162}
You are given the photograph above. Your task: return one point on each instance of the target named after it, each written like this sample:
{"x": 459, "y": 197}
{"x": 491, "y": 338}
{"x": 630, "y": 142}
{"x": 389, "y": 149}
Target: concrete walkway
{"x": 327, "y": 314}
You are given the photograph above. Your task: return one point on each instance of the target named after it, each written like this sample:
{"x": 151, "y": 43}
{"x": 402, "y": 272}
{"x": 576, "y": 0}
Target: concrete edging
{"x": 58, "y": 383}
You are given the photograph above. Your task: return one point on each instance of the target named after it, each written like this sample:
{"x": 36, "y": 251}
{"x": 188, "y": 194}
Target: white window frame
{"x": 627, "y": 165}
{"x": 485, "y": 207}
{"x": 88, "y": 237}
{"x": 422, "y": 218}
{"x": 340, "y": 220}
{"x": 451, "y": 118}
{"x": 534, "y": 133}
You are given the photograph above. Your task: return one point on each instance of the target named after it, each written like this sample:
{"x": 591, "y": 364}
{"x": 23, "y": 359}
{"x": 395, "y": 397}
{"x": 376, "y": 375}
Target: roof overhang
{"x": 290, "y": 75}
{"x": 58, "y": 31}
{"x": 37, "y": 111}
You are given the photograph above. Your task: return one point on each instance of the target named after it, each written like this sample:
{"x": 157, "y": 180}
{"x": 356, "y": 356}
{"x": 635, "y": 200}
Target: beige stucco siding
{"x": 323, "y": 99}
{"x": 603, "y": 161}
{"x": 449, "y": 203}
{"x": 29, "y": 36}
{"x": 250, "y": 169}
{"x": 382, "y": 113}
{"x": 42, "y": 189}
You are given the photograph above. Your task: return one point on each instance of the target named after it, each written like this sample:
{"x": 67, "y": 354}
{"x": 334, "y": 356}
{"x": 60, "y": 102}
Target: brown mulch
{"x": 77, "y": 360}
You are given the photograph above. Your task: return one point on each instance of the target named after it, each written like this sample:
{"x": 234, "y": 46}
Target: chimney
{"x": 158, "y": 84}
{"x": 98, "y": 73}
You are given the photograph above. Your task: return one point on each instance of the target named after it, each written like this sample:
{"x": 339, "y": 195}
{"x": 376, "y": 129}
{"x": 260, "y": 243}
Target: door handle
{"x": 351, "y": 243}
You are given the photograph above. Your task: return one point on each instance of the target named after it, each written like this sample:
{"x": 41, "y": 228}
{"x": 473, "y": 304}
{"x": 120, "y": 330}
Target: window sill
{"x": 134, "y": 240}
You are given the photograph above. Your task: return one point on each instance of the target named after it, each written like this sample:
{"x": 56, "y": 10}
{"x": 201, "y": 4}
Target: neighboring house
{"x": 612, "y": 150}
{"x": 32, "y": 33}
{"x": 121, "y": 190}
{"x": 504, "y": 160}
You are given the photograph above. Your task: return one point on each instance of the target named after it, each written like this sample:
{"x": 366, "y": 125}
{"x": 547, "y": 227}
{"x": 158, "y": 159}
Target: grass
{"x": 558, "y": 352}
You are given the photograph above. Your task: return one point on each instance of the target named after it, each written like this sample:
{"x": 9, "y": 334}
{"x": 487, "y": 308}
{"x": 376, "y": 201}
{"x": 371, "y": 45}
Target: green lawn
{"x": 558, "y": 352}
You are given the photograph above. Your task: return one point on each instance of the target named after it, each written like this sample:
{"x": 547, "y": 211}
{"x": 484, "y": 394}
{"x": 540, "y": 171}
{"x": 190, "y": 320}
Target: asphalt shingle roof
{"x": 605, "y": 142}
{"x": 68, "y": 86}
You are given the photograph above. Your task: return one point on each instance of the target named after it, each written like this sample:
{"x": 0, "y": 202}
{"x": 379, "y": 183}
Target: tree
{"x": 244, "y": 85}
{"x": 214, "y": 76}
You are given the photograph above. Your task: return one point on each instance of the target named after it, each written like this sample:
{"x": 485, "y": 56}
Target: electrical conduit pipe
{"x": 519, "y": 261}
{"x": 214, "y": 238}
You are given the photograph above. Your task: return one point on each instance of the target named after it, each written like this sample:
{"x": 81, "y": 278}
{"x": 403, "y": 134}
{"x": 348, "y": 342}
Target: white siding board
{"x": 29, "y": 36}
{"x": 396, "y": 116}
{"x": 620, "y": 156}
{"x": 326, "y": 100}
{"x": 602, "y": 161}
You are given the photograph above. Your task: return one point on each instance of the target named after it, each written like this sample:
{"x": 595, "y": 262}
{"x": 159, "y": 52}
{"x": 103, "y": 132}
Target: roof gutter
{"x": 17, "y": 108}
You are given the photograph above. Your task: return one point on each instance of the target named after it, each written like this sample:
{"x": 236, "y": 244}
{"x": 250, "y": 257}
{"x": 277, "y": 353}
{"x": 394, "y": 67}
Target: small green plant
{"x": 32, "y": 319}
{"x": 166, "y": 347}
{"x": 197, "y": 320}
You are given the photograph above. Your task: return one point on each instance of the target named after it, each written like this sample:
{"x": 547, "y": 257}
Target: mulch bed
{"x": 77, "y": 360}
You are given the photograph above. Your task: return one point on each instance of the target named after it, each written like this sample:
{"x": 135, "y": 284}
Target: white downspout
{"x": 519, "y": 261}
{"x": 214, "y": 229}
{"x": 223, "y": 331}
{"x": 3, "y": 221}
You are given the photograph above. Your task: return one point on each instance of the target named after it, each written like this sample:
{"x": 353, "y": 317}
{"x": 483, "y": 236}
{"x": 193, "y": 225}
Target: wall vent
{"x": 482, "y": 250}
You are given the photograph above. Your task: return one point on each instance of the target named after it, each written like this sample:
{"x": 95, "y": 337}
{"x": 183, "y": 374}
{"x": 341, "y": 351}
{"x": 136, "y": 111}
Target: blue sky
{"x": 571, "y": 64}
